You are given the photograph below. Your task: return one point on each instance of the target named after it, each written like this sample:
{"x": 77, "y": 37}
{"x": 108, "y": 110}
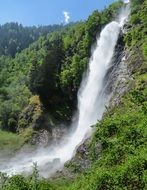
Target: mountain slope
{"x": 14, "y": 37}
{"x": 122, "y": 134}
{"x": 50, "y": 68}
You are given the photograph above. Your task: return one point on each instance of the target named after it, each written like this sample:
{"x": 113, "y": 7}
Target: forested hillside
{"x": 50, "y": 70}
{"x": 40, "y": 84}
{"x": 14, "y": 37}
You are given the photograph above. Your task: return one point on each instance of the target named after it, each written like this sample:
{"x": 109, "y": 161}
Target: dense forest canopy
{"x": 14, "y": 37}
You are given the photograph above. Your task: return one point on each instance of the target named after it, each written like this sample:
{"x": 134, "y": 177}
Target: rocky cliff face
{"x": 45, "y": 137}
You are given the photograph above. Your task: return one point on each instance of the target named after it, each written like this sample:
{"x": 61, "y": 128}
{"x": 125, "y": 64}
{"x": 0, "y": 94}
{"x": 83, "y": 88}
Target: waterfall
{"x": 91, "y": 105}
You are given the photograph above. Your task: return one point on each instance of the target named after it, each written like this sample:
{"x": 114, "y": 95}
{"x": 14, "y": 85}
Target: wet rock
{"x": 48, "y": 137}
{"x": 56, "y": 161}
{"x": 81, "y": 161}
{"x": 41, "y": 138}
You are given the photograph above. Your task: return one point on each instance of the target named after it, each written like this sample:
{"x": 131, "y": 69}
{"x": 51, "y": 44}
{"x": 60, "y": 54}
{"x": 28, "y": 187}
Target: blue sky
{"x": 45, "y": 12}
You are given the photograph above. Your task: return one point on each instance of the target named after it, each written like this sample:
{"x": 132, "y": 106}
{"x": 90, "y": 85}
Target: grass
{"x": 10, "y": 142}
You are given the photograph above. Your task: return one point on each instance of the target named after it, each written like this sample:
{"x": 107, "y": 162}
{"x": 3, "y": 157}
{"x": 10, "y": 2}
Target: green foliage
{"x": 32, "y": 115}
{"x": 94, "y": 24}
{"x": 14, "y": 37}
{"x": 10, "y": 142}
{"x": 145, "y": 48}
{"x": 20, "y": 182}
{"x": 137, "y": 33}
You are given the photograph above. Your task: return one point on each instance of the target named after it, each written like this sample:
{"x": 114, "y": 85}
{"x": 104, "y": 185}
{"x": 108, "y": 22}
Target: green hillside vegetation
{"x": 51, "y": 68}
{"x": 14, "y": 37}
{"x": 11, "y": 142}
{"x": 122, "y": 131}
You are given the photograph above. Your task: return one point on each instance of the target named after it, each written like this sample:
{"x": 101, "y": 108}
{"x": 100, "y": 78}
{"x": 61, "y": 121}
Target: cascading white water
{"x": 91, "y": 105}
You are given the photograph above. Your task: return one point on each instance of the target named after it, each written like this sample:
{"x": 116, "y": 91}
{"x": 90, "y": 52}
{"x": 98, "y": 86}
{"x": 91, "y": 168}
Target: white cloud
{"x": 126, "y": 1}
{"x": 66, "y": 17}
